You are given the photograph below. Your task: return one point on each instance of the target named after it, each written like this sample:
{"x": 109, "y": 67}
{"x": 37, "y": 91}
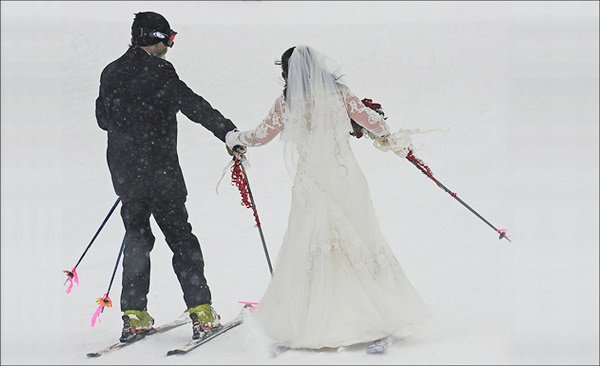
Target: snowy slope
{"x": 516, "y": 83}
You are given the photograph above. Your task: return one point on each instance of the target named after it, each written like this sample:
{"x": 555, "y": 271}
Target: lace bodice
{"x": 274, "y": 122}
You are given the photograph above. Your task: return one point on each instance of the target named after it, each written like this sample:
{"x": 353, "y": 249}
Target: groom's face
{"x": 159, "y": 50}
{"x": 162, "y": 50}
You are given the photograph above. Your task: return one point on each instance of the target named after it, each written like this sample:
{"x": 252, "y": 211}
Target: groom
{"x": 140, "y": 95}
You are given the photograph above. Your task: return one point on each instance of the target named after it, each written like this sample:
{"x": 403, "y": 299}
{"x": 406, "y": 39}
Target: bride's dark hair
{"x": 285, "y": 61}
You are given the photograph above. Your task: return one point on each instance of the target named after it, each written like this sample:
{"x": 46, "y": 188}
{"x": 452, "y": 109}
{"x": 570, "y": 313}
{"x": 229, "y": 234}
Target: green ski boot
{"x": 135, "y": 323}
{"x": 204, "y": 319}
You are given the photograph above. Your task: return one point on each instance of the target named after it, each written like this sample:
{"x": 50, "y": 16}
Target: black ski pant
{"x": 188, "y": 263}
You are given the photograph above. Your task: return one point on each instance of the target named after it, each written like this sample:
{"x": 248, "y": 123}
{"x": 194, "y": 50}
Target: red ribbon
{"x": 424, "y": 169}
{"x": 239, "y": 179}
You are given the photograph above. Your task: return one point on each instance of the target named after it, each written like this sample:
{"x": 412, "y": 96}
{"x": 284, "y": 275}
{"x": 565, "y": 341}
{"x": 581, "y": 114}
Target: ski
{"x": 183, "y": 319}
{"x": 207, "y": 337}
{"x": 248, "y": 306}
{"x": 378, "y": 347}
{"x": 278, "y": 350}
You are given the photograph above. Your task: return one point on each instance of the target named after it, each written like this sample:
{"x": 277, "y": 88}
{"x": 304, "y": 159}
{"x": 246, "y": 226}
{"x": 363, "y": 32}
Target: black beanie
{"x": 144, "y": 24}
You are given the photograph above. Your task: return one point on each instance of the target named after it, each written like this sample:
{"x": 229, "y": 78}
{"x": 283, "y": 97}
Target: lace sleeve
{"x": 270, "y": 127}
{"x": 364, "y": 115}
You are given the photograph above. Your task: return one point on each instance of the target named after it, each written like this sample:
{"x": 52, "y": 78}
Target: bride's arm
{"x": 266, "y": 131}
{"x": 364, "y": 115}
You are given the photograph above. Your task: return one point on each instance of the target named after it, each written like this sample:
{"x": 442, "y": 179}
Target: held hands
{"x": 399, "y": 143}
{"x": 234, "y": 146}
{"x": 238, "y": 152}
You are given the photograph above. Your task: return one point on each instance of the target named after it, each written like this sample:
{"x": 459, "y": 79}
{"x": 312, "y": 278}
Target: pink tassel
{"x": 75, "y": 276}
{"x": 252, "y": 307}
{"x": 71, "y": 276}
{"x": 103, "y": 302}
{"x": 70, "y": 285}
{"x": 96, "y": 315}
{"x": 503, "y": 231}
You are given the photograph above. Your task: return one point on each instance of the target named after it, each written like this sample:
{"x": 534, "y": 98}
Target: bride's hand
{"x": 400, "y": 145}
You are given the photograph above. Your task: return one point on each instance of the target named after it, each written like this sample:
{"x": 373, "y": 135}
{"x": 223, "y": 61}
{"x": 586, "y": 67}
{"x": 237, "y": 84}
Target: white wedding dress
{"x": 336, "y": 282}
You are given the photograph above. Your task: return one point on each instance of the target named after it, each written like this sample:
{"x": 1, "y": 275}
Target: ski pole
{"x": 427, "y": 171}
{"x": 72, "y": 274}
{"x": 359, "y": 131}
{"x": 240, "y": 179}
{"x": 105, "y": 301}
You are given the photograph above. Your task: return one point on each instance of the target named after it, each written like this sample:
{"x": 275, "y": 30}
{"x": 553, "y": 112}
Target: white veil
{"x": 317, "y": 121}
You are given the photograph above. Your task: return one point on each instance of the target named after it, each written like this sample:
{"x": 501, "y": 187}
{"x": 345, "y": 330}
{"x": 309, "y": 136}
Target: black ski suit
{"x": 140, "y": 96}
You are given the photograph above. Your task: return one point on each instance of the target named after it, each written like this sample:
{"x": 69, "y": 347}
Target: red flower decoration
{"x": 238, "y": 178}
{"x": 369, "y": 103}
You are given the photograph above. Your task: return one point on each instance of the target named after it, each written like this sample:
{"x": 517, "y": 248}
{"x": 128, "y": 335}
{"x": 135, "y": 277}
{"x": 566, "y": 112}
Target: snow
{"x": 516, "y": 83}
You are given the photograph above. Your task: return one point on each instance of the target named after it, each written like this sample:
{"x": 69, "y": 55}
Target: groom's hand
{"x": 233, "y": 144}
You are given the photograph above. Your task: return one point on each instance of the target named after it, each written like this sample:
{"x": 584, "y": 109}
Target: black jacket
{"x": 140, "y": 96}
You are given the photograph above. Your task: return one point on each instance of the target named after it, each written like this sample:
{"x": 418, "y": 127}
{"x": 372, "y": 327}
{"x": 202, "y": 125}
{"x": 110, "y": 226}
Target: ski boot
{"x": 135, "y": 323}
{"x": 204, "y": 319}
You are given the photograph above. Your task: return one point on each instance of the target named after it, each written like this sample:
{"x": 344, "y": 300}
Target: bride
{"x": 336, "y": 281}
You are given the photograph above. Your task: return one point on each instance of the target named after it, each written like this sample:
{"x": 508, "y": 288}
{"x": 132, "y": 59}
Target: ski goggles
{"x": 167, "y": 39}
